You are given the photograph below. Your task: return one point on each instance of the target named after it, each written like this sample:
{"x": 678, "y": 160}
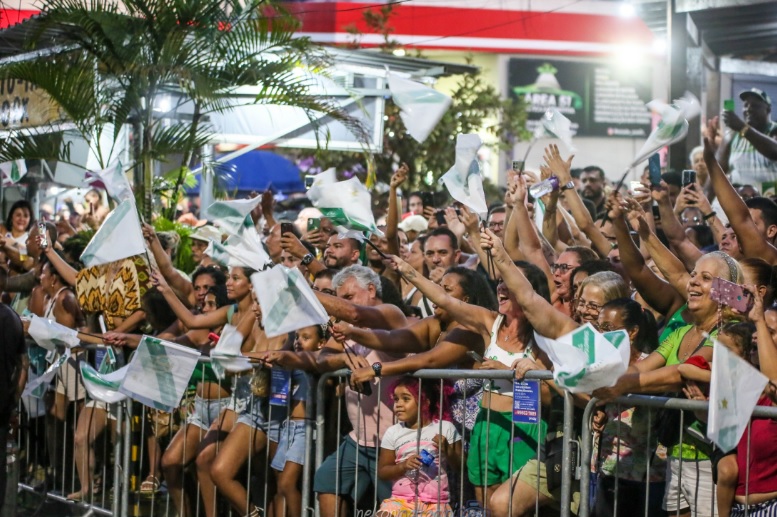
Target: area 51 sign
{"x": 599, "y": 99}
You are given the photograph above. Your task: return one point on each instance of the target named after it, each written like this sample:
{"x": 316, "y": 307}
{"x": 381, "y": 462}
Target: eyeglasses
{"x": 495, "y": 224}
{"x": 563, "y": 268}
{"x": 589, "y": 306}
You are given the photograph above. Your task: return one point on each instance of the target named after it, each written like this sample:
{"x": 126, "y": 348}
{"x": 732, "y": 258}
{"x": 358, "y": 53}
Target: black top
{"x": 11, "y": 347}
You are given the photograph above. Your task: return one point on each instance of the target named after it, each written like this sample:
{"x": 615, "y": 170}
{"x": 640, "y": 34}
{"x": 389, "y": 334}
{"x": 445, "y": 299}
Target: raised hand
{"x": 399, "y": 176}
{"x": 489, "y": 241}
{"x": 397, "y": 264}
{"x": 557, "y": 164}
{"x": 453, "y": 222}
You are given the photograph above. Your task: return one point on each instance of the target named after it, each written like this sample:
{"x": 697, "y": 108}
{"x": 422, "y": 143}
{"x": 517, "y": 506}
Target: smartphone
{"x": 440, "y": 216}
{"x": 309, "y": 179}
{"x": 728, "y": 105}
{"x": 689, "y": 177}
{"x": 518, "y": 165}
{"x": 44, "y": 241}
{"x": 654, "y": 169}
{"x": 731, "y": 295}
{"x": 634, "y": 185}
{"x": 427, "y": 198}
{"x": 475, "y": 356}
{"x": 314, "y": 223}
{"x": 287, "y": 228}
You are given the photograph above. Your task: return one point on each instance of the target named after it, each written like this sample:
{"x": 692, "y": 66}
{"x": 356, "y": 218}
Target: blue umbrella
{"x": 256, "y": 171}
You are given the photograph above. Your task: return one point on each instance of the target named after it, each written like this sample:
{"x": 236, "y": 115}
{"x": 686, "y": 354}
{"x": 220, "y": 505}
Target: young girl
{"x": 417, "y": 466}
{"x": 289, "y": 456}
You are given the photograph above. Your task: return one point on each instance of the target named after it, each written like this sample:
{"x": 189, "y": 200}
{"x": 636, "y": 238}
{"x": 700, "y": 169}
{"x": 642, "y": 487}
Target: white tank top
{"x": 497, "y": 353}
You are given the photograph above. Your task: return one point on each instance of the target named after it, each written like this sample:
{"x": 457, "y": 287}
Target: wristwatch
{"x": 568, "y": 186}
{"x": 377, "y": 368}
{"x": 307, "y": 259}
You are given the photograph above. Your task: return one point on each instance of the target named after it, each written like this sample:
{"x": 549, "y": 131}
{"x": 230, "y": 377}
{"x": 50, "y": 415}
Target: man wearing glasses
{"x": 497, "y": 222}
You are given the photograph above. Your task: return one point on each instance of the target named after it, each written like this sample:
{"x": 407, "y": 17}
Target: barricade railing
{"x": 652, "y": 403}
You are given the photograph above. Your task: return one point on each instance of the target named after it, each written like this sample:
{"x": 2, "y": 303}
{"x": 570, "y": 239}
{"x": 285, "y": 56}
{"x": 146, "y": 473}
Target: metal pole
{"x": 206, "y": 180}
{"x": 585, "y": 458}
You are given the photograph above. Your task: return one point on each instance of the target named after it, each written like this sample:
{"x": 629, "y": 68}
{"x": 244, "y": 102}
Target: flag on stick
{"x": 672, "y": 126}
{"x": 37, "y": 388}
{"x": 421, "y": 107}
{"x": 347, "y": 203}
{"x": 463, "y": 180}
{"x": 115, "y": 181}
{"x": 159, "y": 373}
{"x": 103, "y": 386}
{"x": 734, "y": 392}
{"x": 231, "y": 215}
{"x": 50, "y": 334}
{"x": 288, "y": 303}
{"x": 119, "y": 237}
{"x": 13, "y": 171}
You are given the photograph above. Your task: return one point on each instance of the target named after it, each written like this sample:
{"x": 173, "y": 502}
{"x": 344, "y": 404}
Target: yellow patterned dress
{"x": 114, "y": 289}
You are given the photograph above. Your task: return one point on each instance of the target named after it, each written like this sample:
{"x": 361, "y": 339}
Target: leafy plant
{"x": 183, "y": 257}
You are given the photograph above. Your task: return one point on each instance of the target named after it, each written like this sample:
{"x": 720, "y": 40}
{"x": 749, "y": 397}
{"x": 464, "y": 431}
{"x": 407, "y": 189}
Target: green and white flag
{"x": 672, "y": 124}
{"x": 558, "y": 126}
{"x": 115, "y": 181}
{"x": 322, "y": 179}
{"x": 231, "y": 216}
{"x": 244, "y": 250}
{"x": 50, "y": 334}
{"x": 585, "y": 360}
{"x": 37, "y": 388}
{"x": 463, "y": 180}
{"x": 288, "y": 303}
{"x": 119, "y": 237}
{"x": 227, "y": 356}
{"x": 421, "y": 107}
{"x": 348, "y": 204}
{"x": 13, "y": 171}
{"x": 159, "y": 372}
{"x": 103, "y": 386}
{"x": 734, "y": 392}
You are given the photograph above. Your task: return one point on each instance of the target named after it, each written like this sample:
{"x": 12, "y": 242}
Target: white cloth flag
{"x": 672, "y": 126}
{"x": 231, "y": 216}
{"x": 103, "y": 386}
{"x": 559, "y": 126}
{"x": 463, "y": 180}
{"x": 159, "y": 372}
{"x": 327, "y": 177}
{"x": 13, "y": 171}
{"x": 585, "y": 360}
{"x": 37, "y": 388}
{"x": 288, "y": 303}
{"x": 50, "y": 334}
{"x": 421, "y": 107}
{"x": 244, "y": 250}
{"x": 347, "y": 203}
{"x": 119, "y": 237}
{"x": 227, "y": 354}
{"x": 734, "y": 392}
{"x": 115, "y": 181}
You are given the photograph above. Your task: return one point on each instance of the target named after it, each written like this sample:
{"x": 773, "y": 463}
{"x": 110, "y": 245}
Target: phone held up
{"x": 689, "y": 177}
{"x": 654, "y": 170}
{"x": 287, "y": 228}
{"x": 731, "y": 295}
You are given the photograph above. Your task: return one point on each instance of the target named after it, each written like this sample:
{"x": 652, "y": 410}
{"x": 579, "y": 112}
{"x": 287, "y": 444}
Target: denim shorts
{"x": 291, "y": 446}
{"x": 206, "y": 411}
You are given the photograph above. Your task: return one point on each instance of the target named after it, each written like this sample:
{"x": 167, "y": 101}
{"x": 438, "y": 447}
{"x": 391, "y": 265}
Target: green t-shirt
{"x": 675, "y": 322}
{"x": 668, "y": 350}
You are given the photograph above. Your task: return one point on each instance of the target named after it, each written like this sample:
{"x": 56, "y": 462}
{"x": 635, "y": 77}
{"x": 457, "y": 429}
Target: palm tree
{"x": 115, "y": 61}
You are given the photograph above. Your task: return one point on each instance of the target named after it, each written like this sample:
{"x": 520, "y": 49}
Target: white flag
{"x": 103, "y": 386}
{"x": 585, "y": 360}
{"x": 115, "y": 181}
{"x": 50, "y": 334}
{"x": 227, "y": 354}
{"x": 421, "y": 107}
{"x": 37, "y": 388}
{"x": 288, "y": 303}
{"x": 327, "y": 177}
{"x": 734, "y": 392}
{"x": 347, "y": 203}
{"x": 119, "y": 237}
{"x": 671, "y": 128}
{"x": 13, "y": 171}
{"x": 463, "y": 180}
{"x": 559, "y": 126}
{"x": 231, "y": 216}
{"x": 244, "y": 250}
{"x": 159, "y": 372}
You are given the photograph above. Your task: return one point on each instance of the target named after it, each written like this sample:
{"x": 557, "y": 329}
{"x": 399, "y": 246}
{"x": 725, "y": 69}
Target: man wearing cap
{"x": 200, "y": 240}
{"x": 750, "y": 156}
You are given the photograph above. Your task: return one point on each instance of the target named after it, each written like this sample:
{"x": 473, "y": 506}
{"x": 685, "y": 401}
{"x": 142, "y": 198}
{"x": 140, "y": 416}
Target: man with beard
{"x": 341, "y": 252}
{"x": 592, "y": 183}
{"x": 750, "y": 155}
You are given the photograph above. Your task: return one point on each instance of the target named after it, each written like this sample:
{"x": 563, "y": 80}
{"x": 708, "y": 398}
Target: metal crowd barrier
{"x": 651, "y": 402}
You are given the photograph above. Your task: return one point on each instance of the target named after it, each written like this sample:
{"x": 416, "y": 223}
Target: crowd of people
{"x": 438, "y": 289}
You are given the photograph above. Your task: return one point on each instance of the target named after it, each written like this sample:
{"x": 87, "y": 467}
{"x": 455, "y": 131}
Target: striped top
{"x": 748, "y": 166}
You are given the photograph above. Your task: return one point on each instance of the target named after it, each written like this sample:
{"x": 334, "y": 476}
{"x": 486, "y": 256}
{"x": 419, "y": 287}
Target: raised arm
{"x": 415, "y": 338}
{"x": 669, "y": 265}
{"x": 193, "y": 321}
{"x": 751, "y": 240}
{"x": 471, "y": 316}
{"x": 65, "y": 270}
{"x": 545, "y": 319}
{"x": 180, "y": 284}
{"x": 377, "y": 317}
{"x": 674, "y": 231}
{"x": 531, "y": 245}
{"x": 392, "y": 218}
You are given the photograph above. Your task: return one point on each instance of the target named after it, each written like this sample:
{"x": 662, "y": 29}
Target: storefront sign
{"x": 24, "y": 105}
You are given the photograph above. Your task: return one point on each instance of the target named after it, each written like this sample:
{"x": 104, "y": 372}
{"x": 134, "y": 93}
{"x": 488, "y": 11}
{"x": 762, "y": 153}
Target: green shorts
{"x": 494, "y": 468}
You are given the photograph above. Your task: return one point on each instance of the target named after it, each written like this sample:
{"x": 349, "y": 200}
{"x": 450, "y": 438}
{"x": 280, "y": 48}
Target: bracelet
{"x": 710, "y": 215}
{"x": 744, "y": 130}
